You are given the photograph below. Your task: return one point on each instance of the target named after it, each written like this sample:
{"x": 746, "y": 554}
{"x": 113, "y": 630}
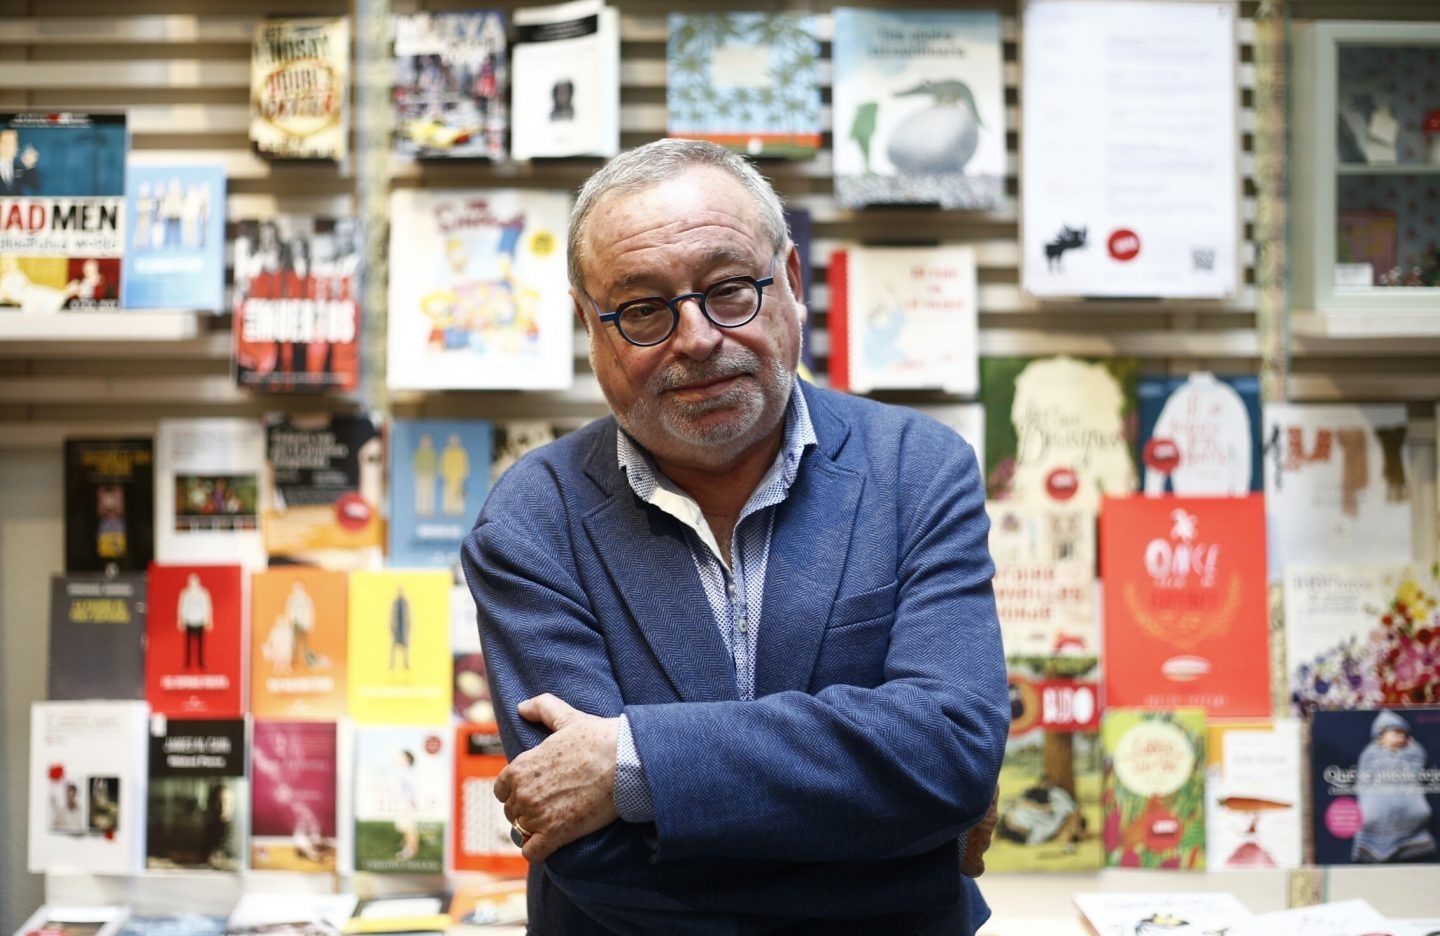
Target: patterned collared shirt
{"x": 735, "y": 592}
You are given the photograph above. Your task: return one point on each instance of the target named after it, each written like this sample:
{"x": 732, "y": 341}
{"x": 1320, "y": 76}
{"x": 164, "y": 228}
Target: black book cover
{"x": 97, "y": 636}
{"x": 109, "y": 504}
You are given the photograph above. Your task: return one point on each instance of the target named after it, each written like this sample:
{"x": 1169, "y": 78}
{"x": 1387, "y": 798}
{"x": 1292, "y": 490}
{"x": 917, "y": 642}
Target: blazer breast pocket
{"x": 853, "y": 650}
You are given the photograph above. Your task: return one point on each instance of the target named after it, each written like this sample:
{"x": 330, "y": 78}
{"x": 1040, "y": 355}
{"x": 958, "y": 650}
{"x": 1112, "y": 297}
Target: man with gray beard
{"x": 740, "y": 637}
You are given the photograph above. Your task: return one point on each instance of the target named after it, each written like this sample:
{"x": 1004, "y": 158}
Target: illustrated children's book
{"x": 199, "y": 798}
{"x": 1253, "y": 795}
{"x": 399, "y": 647}
{"x": 294, "y": 796}
{"x": 109, "y": 504}
{"x": 1142, "y": 914}
{"x": 1200, "y": 435}
{"x": 87, "y": 787}
{"x": 298, "y": 632}
{"x": 97, "y": 636}
{"x": 1154, "y": 787}
{"x": 402, "y": 798}
{"x": 1044, "y": 578}
{"x": 50, "y": 920}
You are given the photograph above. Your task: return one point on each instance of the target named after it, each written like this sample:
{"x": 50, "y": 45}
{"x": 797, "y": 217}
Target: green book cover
{"x": 1154, "y": 788}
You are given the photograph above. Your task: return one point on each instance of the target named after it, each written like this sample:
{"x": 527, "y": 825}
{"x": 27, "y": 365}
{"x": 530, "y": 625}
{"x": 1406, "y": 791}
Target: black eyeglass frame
{"x": 758, "y": 283}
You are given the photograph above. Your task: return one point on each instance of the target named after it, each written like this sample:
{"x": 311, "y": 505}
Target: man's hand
{"x": 973, "y": 864}
{"x": 564, "y": 787}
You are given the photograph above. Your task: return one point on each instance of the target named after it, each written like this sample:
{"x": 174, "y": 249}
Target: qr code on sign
{"x": 1202, "y": 259}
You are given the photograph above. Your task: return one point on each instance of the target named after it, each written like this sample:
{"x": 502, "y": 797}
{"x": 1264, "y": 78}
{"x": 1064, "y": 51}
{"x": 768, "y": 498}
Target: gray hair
{"x": 659, "y": 161}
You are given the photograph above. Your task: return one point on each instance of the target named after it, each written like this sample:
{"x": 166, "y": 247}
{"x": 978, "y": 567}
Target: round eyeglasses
{"x": 729, "y": 303}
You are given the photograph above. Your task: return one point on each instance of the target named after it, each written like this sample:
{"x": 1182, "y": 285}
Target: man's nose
{"x": 695, "y": 335}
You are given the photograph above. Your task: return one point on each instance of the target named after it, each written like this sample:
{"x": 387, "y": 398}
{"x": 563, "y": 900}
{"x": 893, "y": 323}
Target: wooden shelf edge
{"x": 1366, "y": 324}
{"x": 95, "y": 326}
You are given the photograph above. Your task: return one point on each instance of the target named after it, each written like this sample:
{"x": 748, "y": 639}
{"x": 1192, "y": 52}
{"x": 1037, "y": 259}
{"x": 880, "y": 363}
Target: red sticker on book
{"x": 1162, "y": 455}
{"x": 1062, "y": 483}
{"x": 1124, "y": 245}
{"x": 352, "y": 511}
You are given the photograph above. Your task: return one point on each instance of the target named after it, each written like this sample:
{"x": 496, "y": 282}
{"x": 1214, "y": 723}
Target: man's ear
{"x": 797, "y": 284}
{"x": 580, "y": 310}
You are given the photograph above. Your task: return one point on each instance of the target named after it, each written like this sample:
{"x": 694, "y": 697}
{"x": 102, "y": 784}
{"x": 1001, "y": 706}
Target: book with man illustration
{"x": 109, "y": 504}
{"x": 294, "y": 796}
{"x": 399, "y": 647}
{"x": 402, "y": 786}
{"x": 87, "y": 787}
{"x": 97, "y": 636}
{"x": 299, "y": 626}
{"x": 439, "y": 476}
{"x": 195, "y": 641}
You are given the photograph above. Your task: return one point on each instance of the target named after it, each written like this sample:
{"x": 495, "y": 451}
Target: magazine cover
{"x": 1200, "y": 435}
{"x": 1059, "y": 429}
{"x": 109, "y": 504}
{"x": 1186, "y": 597}
{"x": 97, "y": 636}
{"x": 451, "y": 82}
{"x": 439, "y": 476}
{"x": 1375, "y": 786}
{"x": 1337, "y": 484}
{"x": 87, "y": 787}
{"x": 481, "y": 833}
{"x": 62, "y": 205}
{"x": 1361, "y": 635}
{"x": 1254, "y": 805}
{"x": 904, "y": 318}
{"x": 195, "y": 646}
{"x": 1044, "y": 578}
{"x": 400, "y": 664}
{"x": 1154, "y": 788}
{"x": 299, "y": 625}
{"x": 402, "y": 798}
{"x": 322, "y": 489}
{"x": 175, "y": 246}
{"x": 919, "y": 108}
{"x": 565, "y": 63}
{"x": 207, "y": 491}
{"x": 486, "y": 305}
{"x": 296, "y": 309}
{"x": 294, "y": 798}
{"x": 299, "y": 88}
{"x": 199, "y": 798}
{"x": 748, "y": 81}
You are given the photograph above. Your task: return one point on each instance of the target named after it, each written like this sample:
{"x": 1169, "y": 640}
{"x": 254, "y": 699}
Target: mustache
{"x": 683, "y": 374}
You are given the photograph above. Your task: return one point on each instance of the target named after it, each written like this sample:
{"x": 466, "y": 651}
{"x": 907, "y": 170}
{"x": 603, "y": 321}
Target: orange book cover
{"x": 298, "y": 629}
{"x": 1186, "y": 614}
{"x": 481, "y": 833}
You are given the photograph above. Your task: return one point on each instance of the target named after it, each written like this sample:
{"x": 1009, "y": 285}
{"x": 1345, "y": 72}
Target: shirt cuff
{"x": 632, "y": 790}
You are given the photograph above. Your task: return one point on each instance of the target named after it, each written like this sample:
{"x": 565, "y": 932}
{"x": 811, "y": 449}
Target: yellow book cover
{"x": 298, "y": 631}
{"x": 400, "y": 665}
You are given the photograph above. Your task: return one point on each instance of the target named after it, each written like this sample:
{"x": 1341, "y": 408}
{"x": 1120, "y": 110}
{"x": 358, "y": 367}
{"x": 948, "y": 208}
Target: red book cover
{"x": 838, "y": 278}
{"x": 195, "y": 641}
{"x": 480, "y": 830}
{"x": 1186, "y": 613}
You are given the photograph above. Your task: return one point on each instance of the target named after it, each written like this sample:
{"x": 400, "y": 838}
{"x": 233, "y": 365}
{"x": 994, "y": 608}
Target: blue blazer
{"x": 874, "y": 741}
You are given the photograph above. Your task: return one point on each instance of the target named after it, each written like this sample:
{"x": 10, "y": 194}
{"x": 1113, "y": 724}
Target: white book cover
{"x": 300, "y": 87}
{"x": 1253, "y": 797}
{"x": 1337, "y": 484}
{"x": 50, "y": 920}
{"x": 87, "y": 786}
{"x": 1350, "y": 634}
{"x": 268, "y": 912}
{"x": 1145, "y": 914}
{"x": 911, "y": 319}
{"x": 403, "y": 779}
{"x": 207, "y": 491}
{"x": 565, "y": 68}
{"x": 919, "y": 108}
{"x": 484, "y": 303}
{"x": 1044, "y": 578}
{"x": 1342, "y": 918}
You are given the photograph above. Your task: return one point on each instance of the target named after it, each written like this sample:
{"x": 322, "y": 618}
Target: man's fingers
{"x": 504, "y": 785}
{"x": 546, "y": 709}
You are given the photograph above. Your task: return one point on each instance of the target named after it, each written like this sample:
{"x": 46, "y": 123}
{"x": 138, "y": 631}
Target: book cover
{"x": 1254, "y": 801}
{"x": 495, "y": 907}
{"x": 199, "y": 797}
{"x": 299, "y": 88}
{"x": 97, "y": 637}
{"x": 400, "y": 664}
{"x": 299, "y": 625}
{"x": 1200, "y": 435}
{"x": 51, "y": 920}
{"x": 1153, "y": 792}
{"x": 480, "y": 838}
{"x": 439, "y": 476}
{"x": 1186, "y": 597}
{"x": 400, "y": 913}
{"x": 1143, "y": 914}
{"x": 261, "y": 913}
{"x": 1336, "y": 918}
{"x": 322, "y": 489}
{"x": 903, "y": 318}
{"x": 175, "y": 247}
{"x": 173, "y": 924}
{"x": 748, "y": 81}
{"x": 207, "y": 491}
{"x": 62, "y": 206}
{"x": 195, "y": 641}
{"x": 565, "y": 71}
{"x": 1044, "y": 578}
{"x": 515, "y": 437}
{"x": 1337, "y": 483}
{"x": 402, "y": 798}
{"x": 294, "y": 798}
{"x": 919, "y": 108}
{"x": 452, "y": 78}
{"x": 296, "y": 304}
{"x": 109, "y": 504}
{"x": 1361, "y": 635}
{"x": 87, "y": 787}
{"x": 1059, "y": 429}
{"x": 1375, "y": 786}
{"x": 486, "y": 302}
